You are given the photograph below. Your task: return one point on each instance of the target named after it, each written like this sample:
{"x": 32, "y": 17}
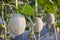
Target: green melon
{"x": 17, "y": 24}
{"x": 50, "y": 19}
{"x": 39, "y": 24}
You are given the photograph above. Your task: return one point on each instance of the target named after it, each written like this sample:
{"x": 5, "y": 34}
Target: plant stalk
{"x": 3, "y": 20}
{"x": 36, "y": 8}
{"x": 31, "y": 35}
{"x": 55, "y": 32}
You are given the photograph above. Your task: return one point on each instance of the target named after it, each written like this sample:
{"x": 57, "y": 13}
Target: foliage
{"x": 36, "y": 32}
{"x": 42, "y": 2}
{"x": 57, "y": 16}
{"x": 27, "y": 10}
{"x": 57, "y": 2}
{"x": 7, "y": 1}
{"x": 20, "y": 8}
{"x": 50, "y": 8}
{"x": 58, "y": 24}
{"x": 1, "y": 26}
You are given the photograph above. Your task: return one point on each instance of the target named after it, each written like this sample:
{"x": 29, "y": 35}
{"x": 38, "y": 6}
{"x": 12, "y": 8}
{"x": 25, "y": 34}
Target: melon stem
{"x": 38, "y": 36}
{"x": 36, "y": 8}
{"x": 31, "y": 28}
{"x": 3, "y": 20}
{"x": 55, "y": 32}
{"x": 16, "y": 5}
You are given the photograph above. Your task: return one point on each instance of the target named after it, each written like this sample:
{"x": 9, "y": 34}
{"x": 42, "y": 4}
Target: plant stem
{"x": 36, "y": 14}
{"x": 27, "y": 1}
{"x": 31, "y": 28}
{"x": 55, "y": 32}
{"x": 36, "y": 8}
{"x": 38, "y": 36}
{"x": 3, "y": 20}
{"x": 17, "y": 5}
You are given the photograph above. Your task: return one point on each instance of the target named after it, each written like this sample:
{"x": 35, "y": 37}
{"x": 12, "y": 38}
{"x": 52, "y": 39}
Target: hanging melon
{"x": 17, "y": 24}
{"x": 38, "y": 24}
{"x": 50, "y": 19}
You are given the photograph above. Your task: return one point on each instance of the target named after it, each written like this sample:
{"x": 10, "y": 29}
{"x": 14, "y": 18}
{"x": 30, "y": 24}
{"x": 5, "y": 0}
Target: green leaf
{"x": 19, "y": 9}
{"x": 42, "y": 2}
{"x": 27, "y": 10}
{"x": 27, "y": 28}
{"x": 1, "y": 26}
{"x": 58, "y": 2}
{"x": 0, "y": 9}
{"x": 50, "y": 8}
{"x": 58, "y": 24}
{"x": 36, "y": 32}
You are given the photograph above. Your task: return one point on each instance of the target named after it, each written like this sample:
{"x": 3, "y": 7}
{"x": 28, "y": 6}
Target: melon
{"x": 50, "y": 19}
{"x": 17, "y": 24}
{"x": 38, "y": 24}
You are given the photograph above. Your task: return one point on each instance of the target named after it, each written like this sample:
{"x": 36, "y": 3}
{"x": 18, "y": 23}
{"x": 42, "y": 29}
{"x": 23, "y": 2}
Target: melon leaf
{"x": 50, "y": 8}
{"x": 1, "y": 26}
{"x": 27, "y": 10}
{"x": 58, "y": 24}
